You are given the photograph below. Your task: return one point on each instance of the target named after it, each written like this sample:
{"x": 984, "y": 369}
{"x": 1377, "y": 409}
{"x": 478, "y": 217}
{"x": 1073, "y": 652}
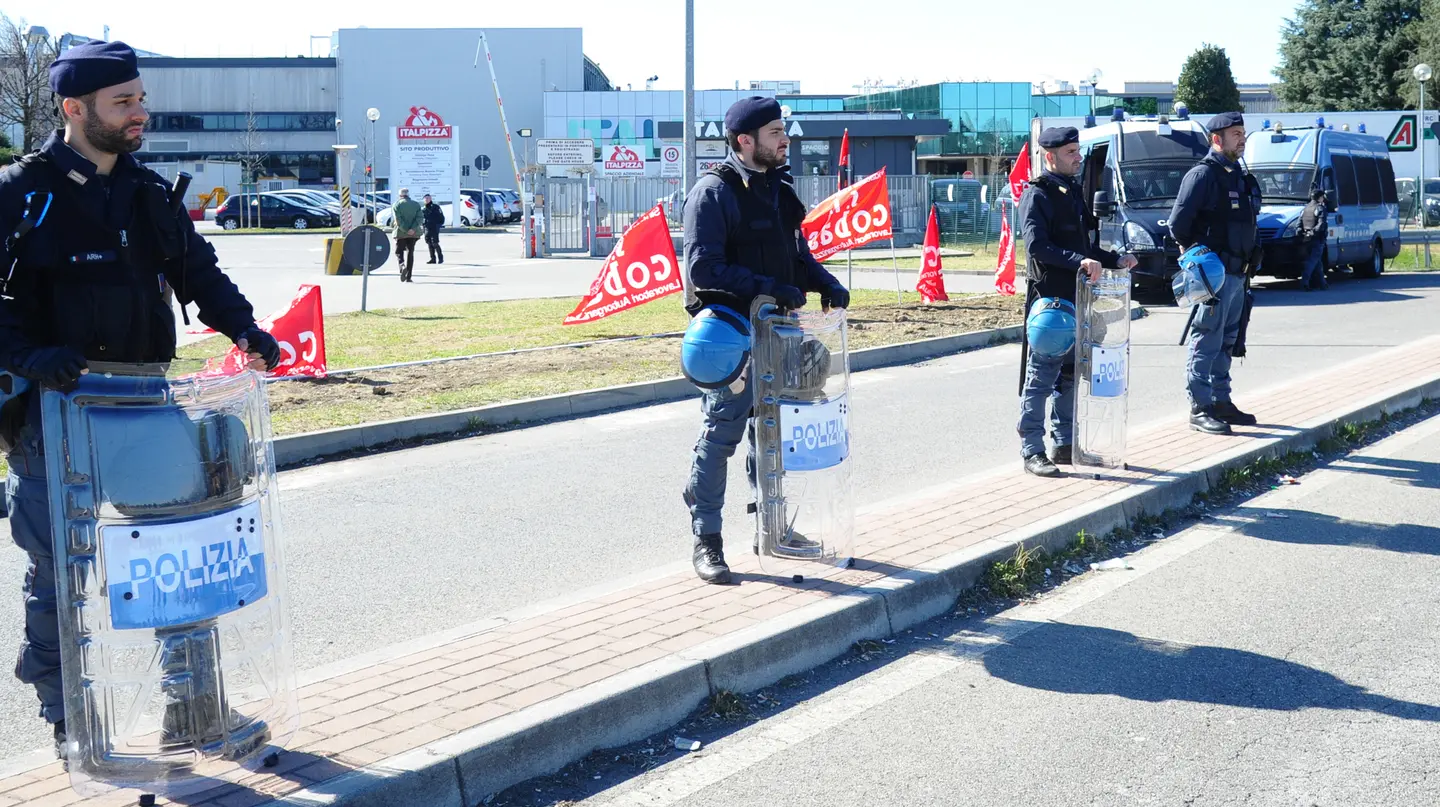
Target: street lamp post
{"x": 372, "y": 114}
{"x": 1093, "y": 80}
{"x": 1422, "y": 74}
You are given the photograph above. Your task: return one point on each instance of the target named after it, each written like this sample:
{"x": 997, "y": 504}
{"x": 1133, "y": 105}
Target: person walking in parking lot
{"x": 1313, "y": 229}
{"x": 434, "y": 219}
{"x": 409, "y": 221}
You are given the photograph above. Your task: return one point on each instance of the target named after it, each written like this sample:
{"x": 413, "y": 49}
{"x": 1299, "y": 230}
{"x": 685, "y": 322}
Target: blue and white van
{"x": 1138, "y": 163}
{"x": 1353, "y": 169}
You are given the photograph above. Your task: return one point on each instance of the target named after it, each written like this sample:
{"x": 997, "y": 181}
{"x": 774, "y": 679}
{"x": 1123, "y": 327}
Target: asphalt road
{"x": 1283, "y": 653}
{"x": 391, "y": 547}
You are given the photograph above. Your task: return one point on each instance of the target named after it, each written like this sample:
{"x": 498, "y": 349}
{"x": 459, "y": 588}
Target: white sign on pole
{"x": 556, "y": 151}
{"x": 623, "y": 161}
{"x": 425, "y": 157}
{"x": 701, "y": 166}
{"x": 711, "y": 148}
{"x": 670, "y": 159}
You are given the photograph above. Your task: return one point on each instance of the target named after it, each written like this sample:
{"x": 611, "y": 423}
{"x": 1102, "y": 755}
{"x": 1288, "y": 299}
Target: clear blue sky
{"x": 842, "y": 44}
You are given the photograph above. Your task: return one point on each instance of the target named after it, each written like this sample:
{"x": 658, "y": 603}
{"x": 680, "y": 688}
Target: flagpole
{"x": 896, "y": 265}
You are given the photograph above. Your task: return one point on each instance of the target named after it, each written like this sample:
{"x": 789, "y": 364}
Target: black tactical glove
{"x": 56, "y": 367}
{"x": 835, "y": 296}
{"x": 788, "y": 297}
{"x": 258, "y": 341}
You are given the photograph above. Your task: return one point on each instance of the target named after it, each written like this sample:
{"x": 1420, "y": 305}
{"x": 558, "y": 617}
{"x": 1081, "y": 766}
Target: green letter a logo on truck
{"x": 1403, "y": 136}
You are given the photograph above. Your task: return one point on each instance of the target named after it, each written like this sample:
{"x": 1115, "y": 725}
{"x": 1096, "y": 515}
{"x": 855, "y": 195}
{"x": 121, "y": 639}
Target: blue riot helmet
{"x": 716, "y": 347}
{"x": 1050, "y": 327}
{"x": 1201, "y": 275}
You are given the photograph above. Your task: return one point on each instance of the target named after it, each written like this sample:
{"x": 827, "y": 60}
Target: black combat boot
{"x": 710, "y": 559}
{"x": 1061, "y": 455}
{"x": 1040, "y": 465}
{"x": 1202, "y": 419}
{"x": 1230, "y": 413}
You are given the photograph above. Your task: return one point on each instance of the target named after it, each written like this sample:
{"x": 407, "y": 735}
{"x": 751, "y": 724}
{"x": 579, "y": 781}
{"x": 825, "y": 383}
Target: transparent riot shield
{"x": 1102, "y": 369}
{"x": 800, "y": 378}
{"x": 175, "y": 643}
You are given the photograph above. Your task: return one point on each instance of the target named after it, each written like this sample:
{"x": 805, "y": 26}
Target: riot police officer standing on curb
{"x": 1216, "y": 208}
{"x": 95, "y": 251}
{"x": 742, "y": 241}
{"x": 1055, "y": 223}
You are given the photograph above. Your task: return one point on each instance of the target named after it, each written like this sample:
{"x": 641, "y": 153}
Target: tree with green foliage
{"x": 1206, "y": 83}
{"x": 1347, "y": 55}
{"x": 1427, "y": 50}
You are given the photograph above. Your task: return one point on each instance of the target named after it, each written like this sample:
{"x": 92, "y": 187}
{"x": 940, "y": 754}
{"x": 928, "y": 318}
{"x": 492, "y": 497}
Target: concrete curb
{"x": 464, "y": 769}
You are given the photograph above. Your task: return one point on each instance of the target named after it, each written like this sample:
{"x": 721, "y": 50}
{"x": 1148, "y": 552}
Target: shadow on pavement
{"x": 1417, "y": 474}
{"x": 1317, "y": 529}
{"x": 1083, "y": 660}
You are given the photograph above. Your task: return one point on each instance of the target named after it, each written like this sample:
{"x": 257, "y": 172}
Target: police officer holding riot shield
{"x": 742, "y": 240}
{"x": 96, "y": 250}
{"x": 1056, "y": 224}
{"x": 1216, "y": 208}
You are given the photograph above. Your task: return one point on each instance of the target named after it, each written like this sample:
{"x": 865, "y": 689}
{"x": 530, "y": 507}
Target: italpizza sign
{"x": 422, "y": 123}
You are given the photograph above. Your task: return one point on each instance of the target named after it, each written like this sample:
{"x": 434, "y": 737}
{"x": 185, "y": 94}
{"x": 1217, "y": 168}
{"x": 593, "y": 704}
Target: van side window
{"x": 1388, "y": 190}
{"x": 1345, "y": 178}
{"x": 1367, "y": 175}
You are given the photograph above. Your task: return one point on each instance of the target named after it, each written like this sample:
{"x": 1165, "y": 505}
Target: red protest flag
{"x": 850, "y": 217}
{"x": 300, "y": 330}
{"x": 641, "y": 268}
{"x": 1020, "y": 173}
{"x": 1005, "y": 269}
{"x": 845, "y": 158}
{"x": 932, "y": 278}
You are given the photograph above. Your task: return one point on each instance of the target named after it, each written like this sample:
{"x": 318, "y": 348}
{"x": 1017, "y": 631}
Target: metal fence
{"x": 968, "y": 208}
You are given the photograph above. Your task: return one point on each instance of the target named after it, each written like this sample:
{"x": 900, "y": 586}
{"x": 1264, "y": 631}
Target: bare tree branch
{"x": 25, "y": 97}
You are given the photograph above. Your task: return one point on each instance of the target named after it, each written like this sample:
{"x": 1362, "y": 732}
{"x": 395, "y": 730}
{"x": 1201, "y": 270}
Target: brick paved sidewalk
{"x": 365, "y": 717}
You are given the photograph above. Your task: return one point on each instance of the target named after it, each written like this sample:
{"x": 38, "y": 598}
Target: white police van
{"x": 1132, "y": 174}
{"x": 1354, "y": 170}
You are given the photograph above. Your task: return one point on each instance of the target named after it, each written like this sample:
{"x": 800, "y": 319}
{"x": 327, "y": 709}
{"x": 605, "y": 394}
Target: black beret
{"x": 1057, "y": 136}
{"x": 1224, "y": 121}
{"x": 749, "y": 114}
{"x": 92, "y": 66}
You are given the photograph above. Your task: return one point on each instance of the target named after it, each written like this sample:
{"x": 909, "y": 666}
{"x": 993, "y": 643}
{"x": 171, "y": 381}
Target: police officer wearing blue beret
{"x": 1216, "y": 208}
{"x": 95, "y": 252}
{"x": 1056, "y": 225}
{"x": 742, "y": 240}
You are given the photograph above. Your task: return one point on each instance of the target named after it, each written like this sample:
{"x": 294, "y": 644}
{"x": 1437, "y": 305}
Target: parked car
{"x": 272, "y": 210}
{"x": 482, "y": 207}
{"x": 512, "y": 202}
{"x": 312, "y": 198}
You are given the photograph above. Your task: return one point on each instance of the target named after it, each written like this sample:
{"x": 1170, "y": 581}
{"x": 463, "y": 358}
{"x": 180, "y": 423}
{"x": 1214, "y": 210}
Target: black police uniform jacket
{"x": 98, "y": 273}
{"x": 1216, "y": 207}
{"x": 434, "y": 217}
{"x": 742, "y": 239}
{"x": 1056, "y": 227}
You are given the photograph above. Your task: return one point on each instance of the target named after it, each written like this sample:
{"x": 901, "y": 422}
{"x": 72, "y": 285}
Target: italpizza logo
{"x": 623, "y": 158}
{"x": 423, "y": 123}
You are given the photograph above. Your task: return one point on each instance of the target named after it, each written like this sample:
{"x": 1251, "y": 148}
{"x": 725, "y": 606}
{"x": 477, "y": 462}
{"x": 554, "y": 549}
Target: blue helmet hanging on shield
{"x": 1050, "y": 327}
{"x": 716, "y": 347}
{"x": 1201, "y": 275}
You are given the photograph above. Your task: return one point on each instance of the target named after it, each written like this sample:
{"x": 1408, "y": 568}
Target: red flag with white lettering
{"x": 300, "y": 330}
{"x": 932, "y": 278}
{"x": 849, "y": 218}
{"x": 1020, "y": 173}
{"x": 1005, "y": 270}
{"x": 641, "y": 268}
{"x": 845, "y": 159}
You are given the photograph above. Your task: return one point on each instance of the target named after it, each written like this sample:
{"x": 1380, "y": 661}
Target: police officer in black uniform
{"x": 742, "y": 240}
{"x": 1216, "y": 207}
{"x": 1056, "y": 225}
{"x": 96, "y": 252}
